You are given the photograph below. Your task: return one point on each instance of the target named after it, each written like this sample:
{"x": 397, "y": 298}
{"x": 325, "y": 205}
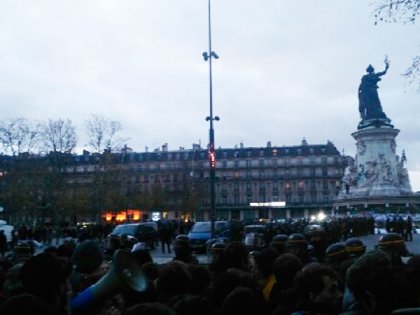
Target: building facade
{"x": 306, "y": 177}
{"x": 171, "y": 183}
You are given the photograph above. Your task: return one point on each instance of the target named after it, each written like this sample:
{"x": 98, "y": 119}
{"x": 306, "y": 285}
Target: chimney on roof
{"x": 269, "y": 144}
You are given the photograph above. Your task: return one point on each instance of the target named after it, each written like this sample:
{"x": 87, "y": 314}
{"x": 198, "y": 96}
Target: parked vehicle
{"x": 200, "y": 234}
{"x": 254, "y": 236}
{"x": 152, "y": 224}
{"x": 143, "y": 232}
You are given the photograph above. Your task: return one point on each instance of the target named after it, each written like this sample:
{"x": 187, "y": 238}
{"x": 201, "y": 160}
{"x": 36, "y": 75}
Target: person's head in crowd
{"x": 279, "y": 242}
{"x": 26, "y": 304}
{"x": 87, "y": 259}
{"x": 318, "y": 290}
{"x": 5, "y": 263}
{"x": 151, "y": 270}
{"x": 355, "y": 247}
{"x": 297, "y": 245}
{"x": 412, "y": 274}
{"x": 362, "y": 272}
{"x": 124, "y": 240}
{"x": 244, "y": 301}
{"x": 335, "y": 255}
{"x": 264, "y": 261}
{"x": 317, "y": 238}
{"x": 283, "y": 294}
{"x": 200, "y": 278}
{"x": 183, "y": 249}
{"x": 217, "y": 263}
{"x": 45, "y": 276}
{"x": 65, "y": 250}
{"x": 12, "y": 283}
{"x": 285, "y": 268}
{"x": 113, "y": 243}
{"x": 236, "y": 255}
{"x": 23, "y": 250}
{"x": 227, "y": 281}
{"x": 193, "y": 305}
{"x": 216, "y": 250}
{"x": 130, "y": 242}
{"x": 154, "y": 308}
{"x": 174, "y": 278}
{"x": 393, "y": 244}
{"x": 375, "y": 284}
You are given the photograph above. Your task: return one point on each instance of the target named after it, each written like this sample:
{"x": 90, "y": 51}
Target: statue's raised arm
{"x": 386, "y": 67}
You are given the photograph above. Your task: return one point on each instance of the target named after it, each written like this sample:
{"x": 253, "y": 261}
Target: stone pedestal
{"x": 377, "y": 170}
{"x": 380, "y": 172}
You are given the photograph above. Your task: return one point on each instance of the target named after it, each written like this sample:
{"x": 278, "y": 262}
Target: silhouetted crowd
{"x": 302, "y": 270}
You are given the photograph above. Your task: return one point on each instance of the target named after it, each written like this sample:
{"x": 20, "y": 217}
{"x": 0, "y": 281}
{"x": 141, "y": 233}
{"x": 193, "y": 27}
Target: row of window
{"x": 185, "y": 155}
{"x": 304, "y": 172}
{"x": 168, "y": 178}
{"x": 248, "y": 163}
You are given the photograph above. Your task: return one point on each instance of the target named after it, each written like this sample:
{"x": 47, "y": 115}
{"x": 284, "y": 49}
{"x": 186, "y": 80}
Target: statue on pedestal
{"x": 369, "y": 103}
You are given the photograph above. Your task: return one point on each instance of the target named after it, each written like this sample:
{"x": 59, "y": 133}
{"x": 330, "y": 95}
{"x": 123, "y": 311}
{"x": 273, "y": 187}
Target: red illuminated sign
{"x": 212, "y": 158}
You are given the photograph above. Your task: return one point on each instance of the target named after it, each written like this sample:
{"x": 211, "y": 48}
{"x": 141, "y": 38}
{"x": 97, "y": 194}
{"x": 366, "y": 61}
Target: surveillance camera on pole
{"x": 206, "y": 55}
{"x": 213, "y": 54}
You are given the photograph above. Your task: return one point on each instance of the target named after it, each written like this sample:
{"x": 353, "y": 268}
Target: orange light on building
{"x": 136, "y": 215}
{"x": 108, "y": 216}
{"x": 121, "y": 216}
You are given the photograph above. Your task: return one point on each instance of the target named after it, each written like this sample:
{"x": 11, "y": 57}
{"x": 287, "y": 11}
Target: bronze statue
{"x": 369, "y": 103}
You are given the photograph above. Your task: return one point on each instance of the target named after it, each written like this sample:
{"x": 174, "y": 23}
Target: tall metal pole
{"x": 208, "y": 56}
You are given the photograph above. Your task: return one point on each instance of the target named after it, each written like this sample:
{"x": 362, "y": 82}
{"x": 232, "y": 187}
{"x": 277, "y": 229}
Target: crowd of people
{"x": 318, "y": 269}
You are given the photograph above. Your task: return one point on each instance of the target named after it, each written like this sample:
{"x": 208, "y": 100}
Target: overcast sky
{"x": 287, "y": 69}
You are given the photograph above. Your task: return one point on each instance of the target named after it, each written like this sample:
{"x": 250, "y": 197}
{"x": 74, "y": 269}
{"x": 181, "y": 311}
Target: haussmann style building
{"x": 250, "y": 181}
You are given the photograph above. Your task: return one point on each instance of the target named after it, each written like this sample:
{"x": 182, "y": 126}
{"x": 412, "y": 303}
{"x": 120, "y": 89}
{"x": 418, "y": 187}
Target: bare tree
{"x": 405, "y": 11}
{"x": 103, "y": 134}
{"x": 17, "y": 135}
{"x": 397, "y": 10}
{"x": 59, "y": 136}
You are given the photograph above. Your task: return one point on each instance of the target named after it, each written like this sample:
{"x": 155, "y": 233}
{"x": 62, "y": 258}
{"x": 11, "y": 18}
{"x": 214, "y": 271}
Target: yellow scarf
{"x": 269, "y": 283}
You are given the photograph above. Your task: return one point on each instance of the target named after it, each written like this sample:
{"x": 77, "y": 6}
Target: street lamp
{"x": 208, "y": 56}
